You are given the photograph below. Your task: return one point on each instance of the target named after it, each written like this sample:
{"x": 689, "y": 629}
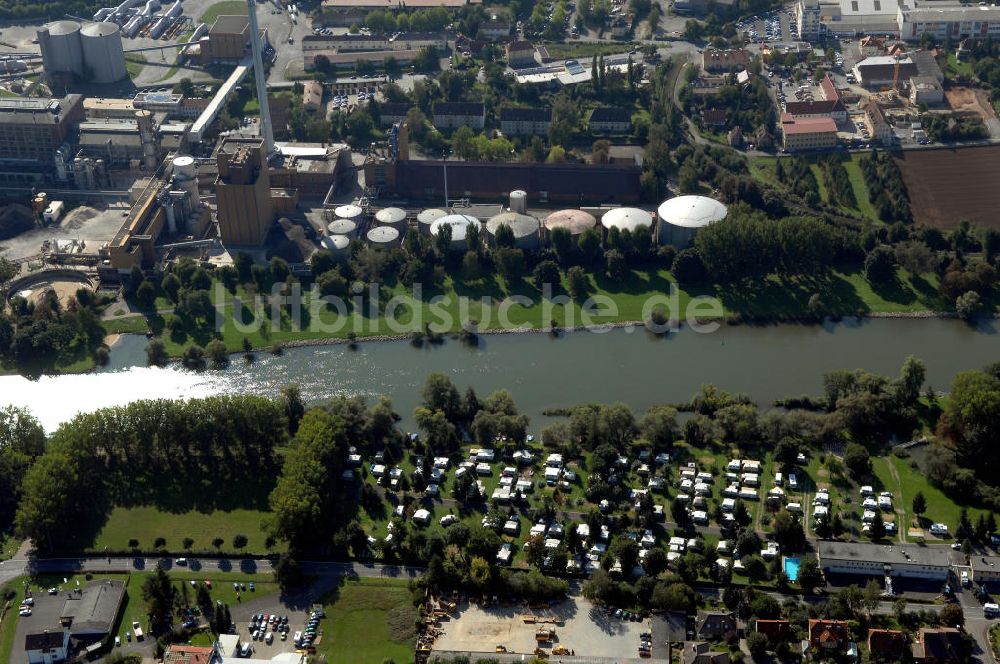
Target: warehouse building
{"x": 228, "y": 40}
{"x": 926, "y": 90}
{"x": 896, "y": 560}
{"x": 882, "y": 71}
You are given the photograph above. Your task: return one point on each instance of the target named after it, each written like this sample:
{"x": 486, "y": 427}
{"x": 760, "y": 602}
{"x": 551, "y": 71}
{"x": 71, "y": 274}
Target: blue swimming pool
{"x": 791, "y": 568}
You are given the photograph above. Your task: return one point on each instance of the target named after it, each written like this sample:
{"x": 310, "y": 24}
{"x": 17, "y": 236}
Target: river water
{"x": 542, "y": 372}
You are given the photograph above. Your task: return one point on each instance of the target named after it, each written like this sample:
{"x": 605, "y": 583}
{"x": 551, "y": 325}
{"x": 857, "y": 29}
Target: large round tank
{"x": 184, "y": 166}
{"x": 103, "y": 56}
{"x": 348, "y": 211}
{"x": 392, "y": 216}
{"x": 524, "y": 227}
{"x": 385, "y": 237}
{"x": 575, "y": 221}
{"x": 460, "y": 224}
{"x": 519, "y": 201}
{"x": 343, "y": 227}
{"x": 62, "y": 52}
{"x": 338, "y": 245}
{"x": 681, "y": 217}
{"x": 426, "y": 218}
{"x": 626, "y": 219}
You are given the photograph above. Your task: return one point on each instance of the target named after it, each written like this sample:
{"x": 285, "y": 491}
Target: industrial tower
{"x": 258, "y": 72}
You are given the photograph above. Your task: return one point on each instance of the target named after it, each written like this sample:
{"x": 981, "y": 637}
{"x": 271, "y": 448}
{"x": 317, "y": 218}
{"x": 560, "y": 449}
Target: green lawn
{"x": 225, "y": 7}
{"x": 134, "y": 63}
{"x": 368, "y": 621}
{"x": 8, "y": 626}
{"x": 762, "y": 168}
{"x": 147, "y": 523}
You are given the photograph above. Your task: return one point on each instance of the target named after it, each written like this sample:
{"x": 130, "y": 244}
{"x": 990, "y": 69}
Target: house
{"x": 878, "y": 128}
{"x": 91, "y": 612}
{"x": 702, "y": 653}
{"x": 521, "y": 54}
{"x": 828, "y": 635}
{"x": 735, "y": 138}
{"x": 774, "y": 630}
{"x": 391, "y": 113}
{"x": 46, "y": 647}
{"x": 455, "y": 114}
{"x": 808, "y": 133}
{"x": 610, "y": 120}
{"x": 494, "y": 28}
{"x": 939, "y": 645}
{"x": 179, "y": 654}
{"x": 985, "y": 569}
{"x": 899, "y": 560}
{"x": 926, "y": 90}
{"x": 715, "y": 625}
{"x": 714, "y": 117}
{"x": 723, "y": 60}
{"x": 312, "y": 96}
{"x": 817, "y": 109}
{"x": 525, "y": 121}
{"x": 764, "y": 139}
{"x": 886, "y": 644}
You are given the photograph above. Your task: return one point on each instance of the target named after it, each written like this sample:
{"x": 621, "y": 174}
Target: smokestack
{"x": 258, "y": 72}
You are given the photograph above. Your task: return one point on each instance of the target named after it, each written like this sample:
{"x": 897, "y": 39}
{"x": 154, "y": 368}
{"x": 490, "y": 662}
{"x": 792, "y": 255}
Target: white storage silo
{"x": 626, "y": 219}
{"x": 519, "y": 201}
{"x": 186, "y": 177}
{"x": 575, "y": 221}
{"x": 343, "y": 227}
{"x": 392, "y": 216}
{"x": 460, "y": 224}
{"x": 524, "y": 227}
{"x": 426, "y": 218}
{"x": 62, "y": 52}
{"x": 103, "y": 56}
{"x": 385, "y": 237}
{"x": 348, "y": 212}
{"x": 681, "y": 217}
{"x": 338, "y": 245}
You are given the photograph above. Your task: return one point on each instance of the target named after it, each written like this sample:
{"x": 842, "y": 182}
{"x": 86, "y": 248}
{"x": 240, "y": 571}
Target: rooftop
{"x": 396, "y": 4}
{"x": 230, "y": 24}
{"x": 459, "y": 108}
{"x": 807, "y": 125}
{"x": 610, "y": 114}
{"x": 911, "y": 554}
{"x": 95, "y": 608}
{"x": 44, "y": 640}
{"x": 525, "y": 114}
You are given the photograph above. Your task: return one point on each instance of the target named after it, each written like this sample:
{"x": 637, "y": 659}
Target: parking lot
{"x": 244, "y": 617}
{"x": 579, "y": 626}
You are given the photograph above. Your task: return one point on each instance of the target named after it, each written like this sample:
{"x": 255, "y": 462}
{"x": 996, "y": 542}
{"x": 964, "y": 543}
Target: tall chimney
{"x": 258, "y": 73}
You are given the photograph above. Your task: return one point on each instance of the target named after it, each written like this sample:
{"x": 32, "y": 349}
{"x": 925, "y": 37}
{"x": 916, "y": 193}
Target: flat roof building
{"x": 32, "y": 129}
{"x": 898, "y": 560}
{"x": 949, "y": 21}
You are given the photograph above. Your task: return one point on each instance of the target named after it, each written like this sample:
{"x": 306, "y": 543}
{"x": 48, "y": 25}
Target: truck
{"x": 137, "y": 630}
{"x": 53, "y": 212}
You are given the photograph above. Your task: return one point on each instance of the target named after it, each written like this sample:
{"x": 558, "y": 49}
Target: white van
{"x": 991, "y": 610}
{"x": 793, "y": 482}
{"x": 778, "y": 479}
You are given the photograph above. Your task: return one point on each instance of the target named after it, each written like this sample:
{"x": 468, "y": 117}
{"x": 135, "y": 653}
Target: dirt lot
{"x": 578, "y": 625}
{"x": 947, "y": 186}
{"x": 970, "y": 101}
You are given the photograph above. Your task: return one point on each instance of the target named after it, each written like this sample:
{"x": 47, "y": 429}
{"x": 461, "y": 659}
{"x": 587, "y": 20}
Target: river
{"x": 542, "y": 372}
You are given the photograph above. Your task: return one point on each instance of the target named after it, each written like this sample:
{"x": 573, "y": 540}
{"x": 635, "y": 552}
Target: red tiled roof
{"x": 808, "y": 126}
{"x": 188, "y": 655}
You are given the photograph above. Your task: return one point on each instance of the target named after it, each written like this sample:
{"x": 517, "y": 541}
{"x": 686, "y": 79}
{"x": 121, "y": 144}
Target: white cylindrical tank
{"x": 524, "y": 227}
{"x": 626, "y": 219}
{"x": 338, "y": 245}
{"x": 103, "y": 56}
{"x": 131, "y": 29}
{"x": 175, "y": 10}
{"x": 385, "y": 236}
{"x": 460, "y": 224}
{"x": 343, "y": 227}
{"x": 62, "y": 52}
{"x": 392, "y": 216}
{"x": 103, "y": 13}
{"x": 186, "y": 177}
{"x": 519, "y": 201}
{"x": 348, "y": 211}
{"x": 426, "y": 218}
{"x": 681, "y": 217}
{"x": 575, "y": 221}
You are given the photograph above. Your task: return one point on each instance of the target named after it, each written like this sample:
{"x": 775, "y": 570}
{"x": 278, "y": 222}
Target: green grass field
{"x": 134, "y": 64}
{"x": 367, "y": 622}
{"x": 762, "y": 168}
{"x": 147, "y": 523}
{"x": 222, "y": 8}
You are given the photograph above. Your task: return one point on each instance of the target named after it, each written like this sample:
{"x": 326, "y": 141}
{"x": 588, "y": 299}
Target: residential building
{"x": 828, "y": 635}
{"x": 948, "y": 21}
{"x": 180, "y": 654}
{"x": 714, "y": 117}
{"x": 808, "y": 133}
{"x": 807, "y": 18}
{"x": 701, "y": 653}
{"x": 243, "y": 195}
{"x": 723, "y": 60}
{"x": 828, "y": 89}
{"x": 878, "y": 128}
{"x": 735, "y": 137}
{"x": 523, "y": 121}
{"x": 939, "y": 645}
{"x": 884, "y": 71}
{"x": 897, "y": 560}
{"x": 46, "y": 647}
{"x": 312, "y": 96}
{"x": 775, "y": 630}
{"x": 610, "y": 120}
{"x": 835, "y": 110}
{"x": 455, "y": 114}
{"x": 985, "y": 569}
{"x": 715, "y": 625}
{"x": 521, "y": 54}
{"x": 494, "y": 28}
{"x": 886, "y": 644}
{"x": 32, "y": 129}
{"x": 391, "y": 113}
{"x": 926, "y": 90}
{"x": 91, "y": 612}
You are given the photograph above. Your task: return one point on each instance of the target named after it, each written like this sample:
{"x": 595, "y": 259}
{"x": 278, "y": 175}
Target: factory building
{"x": 92, "y": 52}
{"x": 243, "y": 195}
{"x": 682, "y": 216}
{"x": 125, "y": 143}
{"x": 32, "y": 129}
{"x": 228, "y": 40}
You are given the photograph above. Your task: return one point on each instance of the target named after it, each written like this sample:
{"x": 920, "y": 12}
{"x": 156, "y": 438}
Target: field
{"x": 368, "y": 621}
{"x": 947, "y": 186}
{"x": 762, "y": 168}
{"x": 147, "y": 523}
{"x": 222, "y": 8}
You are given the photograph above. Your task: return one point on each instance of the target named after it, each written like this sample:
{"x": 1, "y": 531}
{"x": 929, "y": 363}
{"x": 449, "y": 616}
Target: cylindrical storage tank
{"x": 392, "y": 216}
{"x": 519, "y": 201}
{"x": 459, "y": 224}
{"x": 626, "y": 219}
{"x": 524, "y": 227}
{"x": 343, "y": 227}
{"x": 186, "y": 176}
{"x": 338, "y": 245}
{"x": 426, "y": 218}
{"x": 575, "y": 221}
{"x": 62, "y": 51}
{"x": 681, "y": 217}
{"x": 348, "y": 211}
{"x": 386, "y": 237}
{"x": 103, "y": 56}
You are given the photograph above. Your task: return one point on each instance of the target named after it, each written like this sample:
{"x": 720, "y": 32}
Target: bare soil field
{"x": 968, "y": 100}
{"x": 947, "y": 186}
